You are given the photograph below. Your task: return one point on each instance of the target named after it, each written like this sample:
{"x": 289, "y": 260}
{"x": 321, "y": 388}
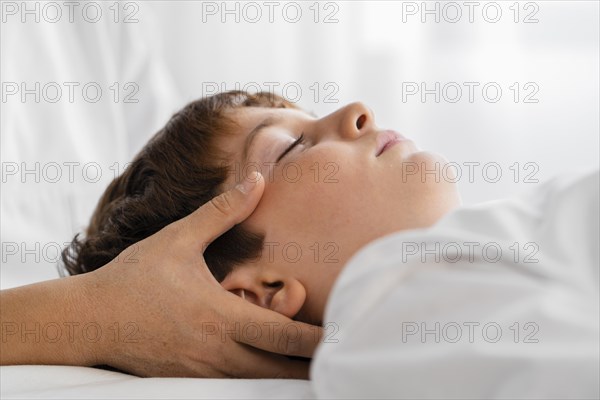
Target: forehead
{"x": 249, "y": 117}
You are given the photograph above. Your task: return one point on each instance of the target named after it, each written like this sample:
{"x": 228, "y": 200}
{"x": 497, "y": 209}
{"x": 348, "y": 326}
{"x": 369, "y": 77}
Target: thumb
{"x": 221, "y": 213}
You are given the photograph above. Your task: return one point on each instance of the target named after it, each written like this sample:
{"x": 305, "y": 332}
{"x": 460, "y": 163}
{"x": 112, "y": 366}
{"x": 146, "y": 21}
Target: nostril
{"x": 361, "y": 121}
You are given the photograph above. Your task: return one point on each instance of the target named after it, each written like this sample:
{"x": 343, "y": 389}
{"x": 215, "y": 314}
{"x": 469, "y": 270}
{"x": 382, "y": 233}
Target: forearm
{"x": 51, "y": 322}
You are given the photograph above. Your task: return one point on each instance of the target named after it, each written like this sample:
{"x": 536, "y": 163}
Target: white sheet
{"x": 381, "y": 298}
{"x": 61, "y": 382}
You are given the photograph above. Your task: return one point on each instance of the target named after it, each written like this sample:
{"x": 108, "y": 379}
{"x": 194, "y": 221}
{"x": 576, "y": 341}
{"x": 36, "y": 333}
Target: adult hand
{"x": 188, "y": 324}
{"x": 162, "y": 313}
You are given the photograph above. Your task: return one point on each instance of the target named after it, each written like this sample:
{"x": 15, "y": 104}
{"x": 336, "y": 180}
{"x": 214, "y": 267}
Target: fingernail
{"x": 249, "y": 183}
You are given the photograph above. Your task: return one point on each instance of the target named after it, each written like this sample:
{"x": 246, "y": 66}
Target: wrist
{"x": 49, "y": 323}
{"x": 86, "y": 303}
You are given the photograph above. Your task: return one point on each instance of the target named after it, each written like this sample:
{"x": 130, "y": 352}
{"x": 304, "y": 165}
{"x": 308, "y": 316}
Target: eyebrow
{"x": 267, "y": 122}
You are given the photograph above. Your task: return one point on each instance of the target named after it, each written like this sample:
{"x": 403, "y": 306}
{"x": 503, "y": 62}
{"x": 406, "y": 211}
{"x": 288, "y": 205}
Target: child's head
{"x": 326, "y": 197}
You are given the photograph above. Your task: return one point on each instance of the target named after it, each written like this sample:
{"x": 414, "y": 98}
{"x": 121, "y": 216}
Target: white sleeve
{"x": 474, "y": 323}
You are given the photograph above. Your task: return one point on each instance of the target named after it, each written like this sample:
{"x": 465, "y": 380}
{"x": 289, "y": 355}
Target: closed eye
{"x": 298, "y": 141}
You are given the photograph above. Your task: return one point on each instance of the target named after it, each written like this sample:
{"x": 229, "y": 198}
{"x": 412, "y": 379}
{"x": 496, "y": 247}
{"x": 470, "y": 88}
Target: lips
{"x": 386, "y": 139}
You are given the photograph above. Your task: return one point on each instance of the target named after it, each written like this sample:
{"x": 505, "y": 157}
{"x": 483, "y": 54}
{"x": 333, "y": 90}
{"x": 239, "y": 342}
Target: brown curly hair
{"x": 177, "y": 171}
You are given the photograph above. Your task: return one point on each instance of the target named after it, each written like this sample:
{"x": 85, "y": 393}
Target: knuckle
{"x": 288, "y": 346}
{"x": 223, "y": 204}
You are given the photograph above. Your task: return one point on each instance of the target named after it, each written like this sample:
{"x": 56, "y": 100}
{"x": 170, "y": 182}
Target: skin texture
{"x": 181, "y": 321}
{"x": 324, "y": 200}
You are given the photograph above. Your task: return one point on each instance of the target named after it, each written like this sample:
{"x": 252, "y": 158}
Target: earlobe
{"x": 289, "y": 299}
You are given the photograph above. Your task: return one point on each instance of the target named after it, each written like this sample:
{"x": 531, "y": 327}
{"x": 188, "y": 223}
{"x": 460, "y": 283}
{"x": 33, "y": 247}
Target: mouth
{"x": 387, "y": 139}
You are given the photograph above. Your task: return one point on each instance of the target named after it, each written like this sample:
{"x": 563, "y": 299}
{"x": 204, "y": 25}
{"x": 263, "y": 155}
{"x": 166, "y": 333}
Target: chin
{"x": 429, "y": 167}
{"x": 428, "y": 157}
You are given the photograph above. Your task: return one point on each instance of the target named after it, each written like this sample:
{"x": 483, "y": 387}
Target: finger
{"x": 221, "y": 213}
{"x": 276, "y": 332}
{"x": 249, "y": 362}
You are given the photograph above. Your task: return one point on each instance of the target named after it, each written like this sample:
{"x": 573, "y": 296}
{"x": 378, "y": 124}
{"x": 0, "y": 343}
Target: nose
{"x": 354, "y": 120}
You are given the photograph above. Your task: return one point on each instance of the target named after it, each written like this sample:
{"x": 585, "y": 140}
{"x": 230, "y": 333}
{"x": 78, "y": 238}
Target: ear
{"x": 268, "y": 288}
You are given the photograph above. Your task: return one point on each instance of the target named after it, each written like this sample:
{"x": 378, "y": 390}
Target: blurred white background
{"x": 336, "y": 53}
{"x": 370, "y": 53}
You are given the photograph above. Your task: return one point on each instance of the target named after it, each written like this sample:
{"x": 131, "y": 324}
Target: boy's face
{"x": 325, "y": 199}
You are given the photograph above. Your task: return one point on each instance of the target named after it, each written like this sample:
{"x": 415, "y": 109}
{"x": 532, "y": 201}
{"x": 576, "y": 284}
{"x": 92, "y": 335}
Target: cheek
{"x": 310, "y": 196}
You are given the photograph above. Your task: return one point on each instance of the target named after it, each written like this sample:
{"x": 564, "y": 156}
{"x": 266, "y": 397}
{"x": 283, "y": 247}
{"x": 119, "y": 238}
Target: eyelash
{"x": 298, "y": 141}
